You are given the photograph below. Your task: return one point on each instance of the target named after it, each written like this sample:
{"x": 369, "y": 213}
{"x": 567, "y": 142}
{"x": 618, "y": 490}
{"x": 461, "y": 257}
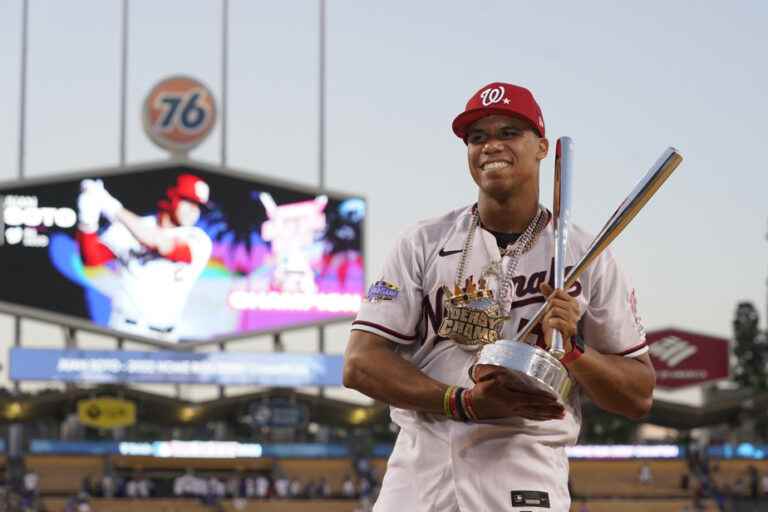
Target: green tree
{"x": 749, "y": 349}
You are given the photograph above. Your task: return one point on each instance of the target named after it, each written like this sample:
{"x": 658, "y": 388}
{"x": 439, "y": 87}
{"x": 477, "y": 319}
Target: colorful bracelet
{"x": 447, "y": 400}
{"x": 469, "y": 406}
{"x": 462, "y": 410}
{"x": 454, "y": 405}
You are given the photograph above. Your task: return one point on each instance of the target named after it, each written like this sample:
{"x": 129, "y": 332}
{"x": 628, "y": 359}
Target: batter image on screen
{"x": 481, "y": 441}
{"x": 159, "y": 257}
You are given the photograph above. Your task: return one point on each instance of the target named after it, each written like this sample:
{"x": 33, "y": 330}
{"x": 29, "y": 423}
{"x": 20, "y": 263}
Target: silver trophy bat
{"x": 561, "y": 219}
{"x": 535, "y": 369}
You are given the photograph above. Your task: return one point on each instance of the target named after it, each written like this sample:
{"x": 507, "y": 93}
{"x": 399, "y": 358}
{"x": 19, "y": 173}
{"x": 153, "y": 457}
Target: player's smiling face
{"x": 504, "y": 155}
{"x": 187, "y": 213}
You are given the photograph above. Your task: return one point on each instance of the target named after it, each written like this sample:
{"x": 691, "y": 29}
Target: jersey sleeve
{"x": 392, "y": 308}
{"x": 611, "y": 324}
{"x": 92, "y": 251}
{"x": 119, "y": 240}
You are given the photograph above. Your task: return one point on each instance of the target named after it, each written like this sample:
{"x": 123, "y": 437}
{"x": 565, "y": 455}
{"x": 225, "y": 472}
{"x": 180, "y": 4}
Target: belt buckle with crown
{"x": 471, "y": 315}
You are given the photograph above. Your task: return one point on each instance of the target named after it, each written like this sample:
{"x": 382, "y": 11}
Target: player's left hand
{"x": 109, "y": 205}
{"x": 563, "y": 313}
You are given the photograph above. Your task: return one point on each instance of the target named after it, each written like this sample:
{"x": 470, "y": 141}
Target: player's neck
{"x": 511, "y": 215}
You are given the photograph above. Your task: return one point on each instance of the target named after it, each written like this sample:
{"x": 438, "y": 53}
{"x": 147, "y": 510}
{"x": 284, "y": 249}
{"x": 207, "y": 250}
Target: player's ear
{"x": 543, "y": 143}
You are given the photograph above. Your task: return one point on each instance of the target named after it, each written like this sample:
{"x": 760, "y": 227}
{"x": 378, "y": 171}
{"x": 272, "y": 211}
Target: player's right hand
{"x": 491, "y": 399}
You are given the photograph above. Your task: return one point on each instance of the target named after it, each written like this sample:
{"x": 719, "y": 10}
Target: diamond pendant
{"x": 471, "y": 316}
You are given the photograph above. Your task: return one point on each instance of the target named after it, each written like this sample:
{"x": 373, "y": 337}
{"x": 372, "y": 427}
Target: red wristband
{"x": 571, "y": 356}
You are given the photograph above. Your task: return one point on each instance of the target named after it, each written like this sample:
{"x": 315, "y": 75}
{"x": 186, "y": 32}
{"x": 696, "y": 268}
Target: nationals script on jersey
{"x": 152, "y": 289}
{"x": 405, "y": 304}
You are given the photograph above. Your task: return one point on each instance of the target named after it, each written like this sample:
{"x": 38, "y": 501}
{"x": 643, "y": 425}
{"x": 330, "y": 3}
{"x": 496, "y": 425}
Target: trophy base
{"x": 530, "y": 368}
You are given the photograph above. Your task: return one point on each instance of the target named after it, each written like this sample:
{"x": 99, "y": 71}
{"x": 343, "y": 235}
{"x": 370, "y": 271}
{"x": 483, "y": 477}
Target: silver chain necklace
{"x": 520, "y": 246}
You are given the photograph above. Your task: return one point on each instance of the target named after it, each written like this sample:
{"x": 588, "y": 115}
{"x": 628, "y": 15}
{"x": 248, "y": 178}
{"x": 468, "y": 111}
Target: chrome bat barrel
{"x": 561, "y": 221}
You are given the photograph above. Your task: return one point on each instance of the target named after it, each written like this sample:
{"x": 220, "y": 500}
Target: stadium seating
{"x": 333, "y": 470}
{"x": 64, "y": 474}
{"x": 185, "y": 505}
{"x": 137, "y": 463}
{"x": 656, "y": 505}
{"x": 620, "y": 478}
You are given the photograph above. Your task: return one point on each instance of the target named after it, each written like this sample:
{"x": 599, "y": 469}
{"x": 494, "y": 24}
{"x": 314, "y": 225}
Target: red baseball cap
{"x": 191, "y": 188}
{"x": 503, "y": 99}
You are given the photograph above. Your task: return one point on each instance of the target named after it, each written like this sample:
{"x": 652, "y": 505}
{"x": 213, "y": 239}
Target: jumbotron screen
{"x": 178, "y": 253}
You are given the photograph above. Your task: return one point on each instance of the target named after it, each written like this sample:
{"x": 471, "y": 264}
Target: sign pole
{"x": 16, "y": 429}
{"x": 321, "y": 141}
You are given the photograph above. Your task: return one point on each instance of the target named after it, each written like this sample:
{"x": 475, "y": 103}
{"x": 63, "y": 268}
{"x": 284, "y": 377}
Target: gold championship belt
{"x": 471, "y": 314}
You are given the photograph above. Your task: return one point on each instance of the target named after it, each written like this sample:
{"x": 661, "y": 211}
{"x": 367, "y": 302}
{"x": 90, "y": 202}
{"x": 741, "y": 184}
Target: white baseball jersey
{"x": 442, "y": 464}
{"x": 153, "y": 290}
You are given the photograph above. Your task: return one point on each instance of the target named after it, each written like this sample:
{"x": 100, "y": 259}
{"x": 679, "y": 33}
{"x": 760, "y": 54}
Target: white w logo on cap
{"x": 492, "y": 95}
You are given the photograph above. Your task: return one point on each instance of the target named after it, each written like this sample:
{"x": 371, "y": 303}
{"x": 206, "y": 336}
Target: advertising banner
{"x": 106, "y": 412}
{"x": 221, "y": 368}
{"x": 176, "y": 253}
{"x": 683, "y": 358}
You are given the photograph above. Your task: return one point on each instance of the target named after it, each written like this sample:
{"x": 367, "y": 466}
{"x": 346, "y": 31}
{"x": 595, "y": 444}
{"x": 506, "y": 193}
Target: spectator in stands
{"x": 130, "y": 489}
{"x": 31, "y": 484}
{"x": 108, "y": 486}
{"x": 311, "y": 490}
{"x": 235, "y": 485}
{"x": 188, "y": 485}
{"x": 216, "y": 488}
{"x": 138, "y": 487}
{"x": 296, "y": 490}
{"x": 364, "y": 487}
{"x": 348, "y": 488}
{"x": 282, "y": 485}
{"x": 646, "y": 475}
{"x": 324, "y": 489}
{"x": 79, "y": 503}
{"x": 144, "y": 485}
{"x": 249, "y": 486}
{"x": 262, "y": 487}
{"x": 86, "y": 485}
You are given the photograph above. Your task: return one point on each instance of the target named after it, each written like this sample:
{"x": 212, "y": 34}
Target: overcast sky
{"x": 624, "y": 81}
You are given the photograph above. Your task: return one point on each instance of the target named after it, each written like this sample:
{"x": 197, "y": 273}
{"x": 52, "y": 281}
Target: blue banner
{"x": 225, "y": 368}
{"x": 194, "y": 449}
{"x": 45, "y": 446}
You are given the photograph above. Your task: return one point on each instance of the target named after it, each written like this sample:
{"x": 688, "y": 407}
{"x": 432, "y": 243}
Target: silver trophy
{"x": 530, "y": 367}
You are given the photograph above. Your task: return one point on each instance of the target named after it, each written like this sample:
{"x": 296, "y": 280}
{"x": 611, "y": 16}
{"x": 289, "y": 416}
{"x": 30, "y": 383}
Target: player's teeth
{"x": 492, "y": 166}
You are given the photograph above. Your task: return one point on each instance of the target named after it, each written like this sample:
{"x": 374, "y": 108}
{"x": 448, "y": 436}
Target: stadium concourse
{"x": 284, "y": 450}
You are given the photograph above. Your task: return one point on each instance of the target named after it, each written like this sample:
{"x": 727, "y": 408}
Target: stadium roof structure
{"x": 166, "y": 410}
{"x": 722, "y": 407}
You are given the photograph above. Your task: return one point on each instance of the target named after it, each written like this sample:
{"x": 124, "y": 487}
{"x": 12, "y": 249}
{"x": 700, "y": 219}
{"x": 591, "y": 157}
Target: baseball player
{"x": 159, "y": 256}
{"x": 489, "y": 446}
